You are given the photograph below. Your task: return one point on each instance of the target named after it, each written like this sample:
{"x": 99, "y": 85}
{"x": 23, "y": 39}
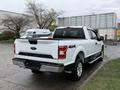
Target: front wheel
{"x": 102, "y": 55}
{"x": 77, "y": 70}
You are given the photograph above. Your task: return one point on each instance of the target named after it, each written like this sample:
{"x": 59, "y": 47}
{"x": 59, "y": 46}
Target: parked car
{"x": 37, "y": 33}
{"x": 68, "y": 50}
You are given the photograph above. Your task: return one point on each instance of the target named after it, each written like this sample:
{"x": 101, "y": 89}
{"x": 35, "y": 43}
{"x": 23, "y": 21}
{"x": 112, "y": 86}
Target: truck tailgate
{"x": 37, "y": 48}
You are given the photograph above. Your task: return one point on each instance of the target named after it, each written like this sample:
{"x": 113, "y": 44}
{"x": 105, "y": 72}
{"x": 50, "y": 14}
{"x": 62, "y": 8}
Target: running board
{"x": 95, "y": 60}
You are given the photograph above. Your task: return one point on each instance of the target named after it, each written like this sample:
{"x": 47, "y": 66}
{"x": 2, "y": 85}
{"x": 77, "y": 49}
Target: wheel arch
{"x": 78, "y": 50}
{"x": 78, "y": 55}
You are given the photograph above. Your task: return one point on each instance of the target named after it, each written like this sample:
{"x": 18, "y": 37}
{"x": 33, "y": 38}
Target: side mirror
{"x": 101, "y": 38}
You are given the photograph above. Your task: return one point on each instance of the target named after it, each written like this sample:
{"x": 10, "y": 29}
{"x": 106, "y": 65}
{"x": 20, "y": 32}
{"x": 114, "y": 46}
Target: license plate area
{"x": 32, "y": 65}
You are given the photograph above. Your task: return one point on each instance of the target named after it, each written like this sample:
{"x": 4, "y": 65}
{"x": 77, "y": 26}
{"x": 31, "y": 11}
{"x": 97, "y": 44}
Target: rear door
{"x": 93, "y": 42}
{"x": 97, "y": 43}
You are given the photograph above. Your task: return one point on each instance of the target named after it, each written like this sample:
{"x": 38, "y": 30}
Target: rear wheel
{"x": 78, "y": 68}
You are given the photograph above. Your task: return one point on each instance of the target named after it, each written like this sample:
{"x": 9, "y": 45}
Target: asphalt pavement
{"x": 14, "y": 78}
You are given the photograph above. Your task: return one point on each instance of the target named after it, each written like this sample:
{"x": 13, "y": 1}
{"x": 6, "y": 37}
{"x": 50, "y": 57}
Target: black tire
{"x": 78, "y": 68}
{"x": 102, "y": 54}
{"x": 35, "y": 71}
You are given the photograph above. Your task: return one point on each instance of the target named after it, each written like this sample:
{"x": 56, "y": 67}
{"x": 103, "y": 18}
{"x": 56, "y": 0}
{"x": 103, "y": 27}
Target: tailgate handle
{"x": 32, "y": 41}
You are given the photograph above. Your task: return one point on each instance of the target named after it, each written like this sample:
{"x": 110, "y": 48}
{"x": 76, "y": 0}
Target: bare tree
{"x": 43, "y": 17}
{"x": 15, "y": 23}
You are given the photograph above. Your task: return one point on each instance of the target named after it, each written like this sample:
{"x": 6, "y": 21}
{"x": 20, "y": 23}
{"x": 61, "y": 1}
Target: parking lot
{"x": 14, "y": 78}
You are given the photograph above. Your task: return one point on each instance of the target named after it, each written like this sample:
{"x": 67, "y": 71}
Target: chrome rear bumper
{"x": 41, "y": 66}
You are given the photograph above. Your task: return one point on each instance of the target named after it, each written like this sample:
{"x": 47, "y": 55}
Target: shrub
{"x": 7, "y": 35}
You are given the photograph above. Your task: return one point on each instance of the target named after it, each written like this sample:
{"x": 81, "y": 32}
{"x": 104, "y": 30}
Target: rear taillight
{"x": 14, "y": 48}
{"x": 62, "y": 50}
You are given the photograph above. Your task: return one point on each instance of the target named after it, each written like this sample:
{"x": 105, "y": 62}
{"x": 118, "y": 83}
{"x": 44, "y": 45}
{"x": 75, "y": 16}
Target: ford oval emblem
{"x": 33, "y": 48}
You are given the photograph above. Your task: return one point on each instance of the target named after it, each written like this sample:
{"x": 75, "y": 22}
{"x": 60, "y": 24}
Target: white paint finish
{"x": 81, "y": 45}
{"x": 50, "y": 47}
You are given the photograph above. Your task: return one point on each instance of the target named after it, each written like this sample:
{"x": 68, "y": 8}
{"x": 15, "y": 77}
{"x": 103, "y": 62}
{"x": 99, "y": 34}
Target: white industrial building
{"x": 106, "y": 23}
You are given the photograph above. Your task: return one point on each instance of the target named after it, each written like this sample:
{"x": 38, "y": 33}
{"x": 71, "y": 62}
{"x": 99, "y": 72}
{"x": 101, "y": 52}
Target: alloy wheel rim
{"x": 79, "y": 69}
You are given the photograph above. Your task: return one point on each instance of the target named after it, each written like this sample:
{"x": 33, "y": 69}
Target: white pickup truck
{"x": 68, "y": 50}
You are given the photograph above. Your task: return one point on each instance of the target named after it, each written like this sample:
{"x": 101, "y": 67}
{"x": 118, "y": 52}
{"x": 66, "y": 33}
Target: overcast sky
{"x": 70, "y": 7}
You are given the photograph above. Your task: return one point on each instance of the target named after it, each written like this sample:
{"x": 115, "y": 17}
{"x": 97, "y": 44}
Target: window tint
{"x": 69, "y": 33}
{"x": 92, "y": 34}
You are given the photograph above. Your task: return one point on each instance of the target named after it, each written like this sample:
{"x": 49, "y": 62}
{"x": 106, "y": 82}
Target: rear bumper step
{"x": 38, "y": 65}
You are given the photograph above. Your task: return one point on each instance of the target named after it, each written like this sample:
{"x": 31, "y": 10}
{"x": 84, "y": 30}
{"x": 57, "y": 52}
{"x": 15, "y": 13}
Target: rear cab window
{"x": 77, "y": 33}
{"x": 92, "y": 34}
